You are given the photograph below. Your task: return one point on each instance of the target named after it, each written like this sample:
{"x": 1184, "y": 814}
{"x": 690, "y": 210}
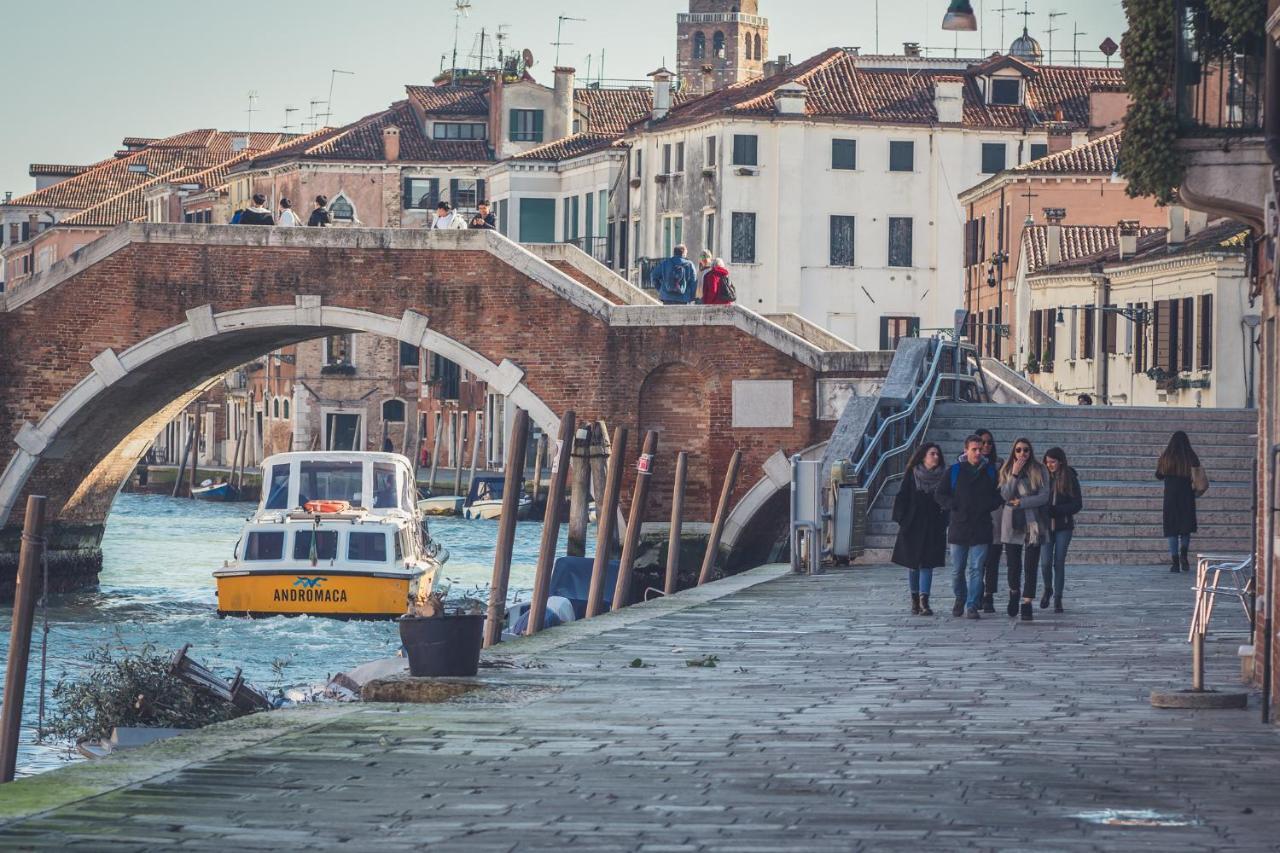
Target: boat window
{"x": 489, "y": 489}
{"x": 368, "y": 547}
{"x": 278, "y": 493}
{"x": 330, "y": 481}
{"x": 265, "y": 545}
{"x": 400, "y": 544}
{"x": 326, "y": 545}
{"x": 384, "y": 485}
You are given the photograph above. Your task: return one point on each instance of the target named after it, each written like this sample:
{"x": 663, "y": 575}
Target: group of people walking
{"x": 446, "y": 217}
{"x": 678, "y": 282}
{"x": 966, "y": 513}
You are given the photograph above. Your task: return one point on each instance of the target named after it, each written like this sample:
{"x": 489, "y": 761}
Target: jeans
{"x": 1179, "y": 543}
{"x": 921, "y": 580}
{"x": 991, "y": 570}
{"x": 968, "y": 557}
{"x": 1053, "y": 560}
{"x": 1022, "y": 562}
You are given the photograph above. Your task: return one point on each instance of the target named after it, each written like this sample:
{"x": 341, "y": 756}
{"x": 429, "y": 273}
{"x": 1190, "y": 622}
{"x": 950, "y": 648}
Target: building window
{"x": 275, "y": 408}
{"x": 902, "y": 156}
{"x": 1039, "y": 150}
{"x": 1140, "y": 344}
{"x": 1087, "y": 348}
{"x": 341, "y": 210}
{"x": 393, "y": 411}
{"x": 526, "y": 125}
{"x": 842, "y": 241}
{"x": 459, "y": 130}
{"x": 679, "y": 158}
{"x": 446, "y": 377}
{"x": 699, "y": 45}
{"x": 717, "y": 45}
{"x": 666, "y": 159}
{"x": 672, "y": 233}
{"x": 900, "y": 228}
{"x": 709, "y": 233}
{"x": 337, "y": 350}
{"x": 759, "y": 47}
{"x": 639, "y": 163}
{"x": 410, "y": 355}
{"x": 711, "y": 151}
{"x": 464, "y": 193}
{"x": 1188, "y": 333}
{"x": 743, "y": 247}
{"x": 286, "y": 408}
{"x": 992, "y": 157}
{"x": 745, "y": 149}
{"x": 894, "y": 329}
{"x": 421, "y": 193}
{"x": 1006, "y": 92}
{"x": 844, "y": 154}
{"x": 1206, "y": 332}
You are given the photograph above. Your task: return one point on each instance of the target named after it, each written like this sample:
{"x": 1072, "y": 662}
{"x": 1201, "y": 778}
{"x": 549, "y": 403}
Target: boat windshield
{"x": 326, "y": 545}
{"x": 278, "y": 490}
{"x": 489, "y": 490}
{"x": 330, "y": 481}
{"x": 264, "y": 545}
{"x": 367, "y": 547}
{"x": 384, "y": 485}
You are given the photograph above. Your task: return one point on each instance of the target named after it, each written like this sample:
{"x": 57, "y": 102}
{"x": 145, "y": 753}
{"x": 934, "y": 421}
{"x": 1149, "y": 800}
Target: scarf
{"x": 928, "y": 481}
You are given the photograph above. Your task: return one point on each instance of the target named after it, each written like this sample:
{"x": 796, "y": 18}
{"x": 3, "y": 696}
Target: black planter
{"x": 443, "y": 645}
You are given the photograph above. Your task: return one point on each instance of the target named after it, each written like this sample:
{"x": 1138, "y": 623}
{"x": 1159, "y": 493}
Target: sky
{"x": 86, "y": 73}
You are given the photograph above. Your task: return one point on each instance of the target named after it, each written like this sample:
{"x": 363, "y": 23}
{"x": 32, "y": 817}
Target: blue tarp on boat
{"x": 571, "y": 578}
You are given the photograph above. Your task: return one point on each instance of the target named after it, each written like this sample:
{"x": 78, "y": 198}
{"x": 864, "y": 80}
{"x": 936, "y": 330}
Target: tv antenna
{"x": 501, "y": 38}
{"x": 1004, "y": 45}
{"x": 253, "y": 107}
{"x": 312, "y": 119}
{"x": 461, "y": 9}
{"x": 1051, "y": 30}
{"x": 1075, "y": 40}
{"x": 559, "y": 28}
{"x": 333, "y": 72}
{"x": 288, "y": 113}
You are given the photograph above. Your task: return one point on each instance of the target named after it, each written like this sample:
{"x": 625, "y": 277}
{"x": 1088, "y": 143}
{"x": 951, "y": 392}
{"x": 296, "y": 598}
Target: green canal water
{"x": 156, "y": 587}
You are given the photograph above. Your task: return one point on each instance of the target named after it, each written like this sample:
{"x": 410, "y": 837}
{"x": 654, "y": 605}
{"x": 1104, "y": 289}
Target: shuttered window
{"x": 1109, "y": 332}
{"x": 1186, "y": 340}
{"x": 842, "y": 241}
{"x": 1140, "y": 345}
{"x": 1206, "y": 332}
{"x": 1087, "y": 349}
{"x": 421, "y": 193}
{"x": 743, "y": 237}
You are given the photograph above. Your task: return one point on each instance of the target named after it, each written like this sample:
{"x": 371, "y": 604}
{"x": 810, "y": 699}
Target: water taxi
{"x": 336, "y": 534}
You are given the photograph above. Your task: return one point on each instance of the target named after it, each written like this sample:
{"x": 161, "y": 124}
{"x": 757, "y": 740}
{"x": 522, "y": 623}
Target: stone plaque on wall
{"x": 835, "y": 394}
{"x": 763, "y": 403}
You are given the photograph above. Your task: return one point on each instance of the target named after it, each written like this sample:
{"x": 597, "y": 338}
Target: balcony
{"x": 721, "y": 18}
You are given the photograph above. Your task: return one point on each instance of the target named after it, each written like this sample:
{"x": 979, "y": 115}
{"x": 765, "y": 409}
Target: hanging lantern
{"x": 960, "y": 17}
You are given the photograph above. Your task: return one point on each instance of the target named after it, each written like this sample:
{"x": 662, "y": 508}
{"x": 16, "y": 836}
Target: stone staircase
{"x": 1114, "y": 451}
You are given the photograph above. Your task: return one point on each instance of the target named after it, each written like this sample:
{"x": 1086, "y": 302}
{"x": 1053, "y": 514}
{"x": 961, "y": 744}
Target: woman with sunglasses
{"x": 1065, "y": 500}
{"x": 1025, "y": 487}
{"x": 922, "y": 525}
{"x": 991, "y": 566}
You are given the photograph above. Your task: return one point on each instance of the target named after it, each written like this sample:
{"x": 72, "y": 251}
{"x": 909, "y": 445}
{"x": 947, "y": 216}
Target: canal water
{"x": 156, "y": 587}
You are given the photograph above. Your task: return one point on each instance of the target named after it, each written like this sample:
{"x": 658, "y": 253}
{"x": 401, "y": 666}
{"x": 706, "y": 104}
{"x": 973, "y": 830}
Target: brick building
{"x": 720, "y": 43}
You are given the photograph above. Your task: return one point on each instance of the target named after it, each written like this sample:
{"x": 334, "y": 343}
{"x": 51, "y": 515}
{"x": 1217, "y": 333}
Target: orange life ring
{"x": 324, "y": 507}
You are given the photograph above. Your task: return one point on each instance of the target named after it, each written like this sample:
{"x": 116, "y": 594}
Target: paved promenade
{"x": 834, "y": 721}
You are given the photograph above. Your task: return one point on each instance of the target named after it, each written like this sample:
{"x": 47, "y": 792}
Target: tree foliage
{"x": 1148, "y": 157}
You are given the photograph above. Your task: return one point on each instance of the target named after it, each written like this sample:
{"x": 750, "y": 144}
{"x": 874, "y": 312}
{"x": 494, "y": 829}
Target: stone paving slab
{"x": 834, "y": 720}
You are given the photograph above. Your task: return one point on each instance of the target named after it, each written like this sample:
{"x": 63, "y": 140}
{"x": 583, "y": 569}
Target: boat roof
{"x": 336, "y": 456}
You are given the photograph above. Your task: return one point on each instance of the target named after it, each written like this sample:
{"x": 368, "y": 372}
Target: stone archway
{"x": 673, "y": 401}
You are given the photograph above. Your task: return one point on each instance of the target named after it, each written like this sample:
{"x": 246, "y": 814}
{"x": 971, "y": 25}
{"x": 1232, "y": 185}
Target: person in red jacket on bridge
{"x": 716, "y": 289}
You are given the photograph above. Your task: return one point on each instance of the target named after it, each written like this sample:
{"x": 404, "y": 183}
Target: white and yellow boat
{"x": 336, "y": 534}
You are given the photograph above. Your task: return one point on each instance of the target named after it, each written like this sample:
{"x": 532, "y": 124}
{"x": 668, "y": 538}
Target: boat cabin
{"x": 376, "y": 482}
{"x": 487, "y": 487}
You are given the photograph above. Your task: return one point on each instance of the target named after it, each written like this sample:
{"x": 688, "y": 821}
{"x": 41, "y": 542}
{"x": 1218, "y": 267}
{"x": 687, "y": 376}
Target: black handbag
{"x": 1019, "y": 518}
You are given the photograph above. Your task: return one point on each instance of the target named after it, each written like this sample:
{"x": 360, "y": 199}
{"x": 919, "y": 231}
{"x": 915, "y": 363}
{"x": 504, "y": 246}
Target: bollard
{"x": 639, "y": 498}
{"x": 24, "y": 608}
{"x": 673, "y": 538}
{"x": 722, "y": 511}
{"x": 506, "y": 528}
{"x": 551, "y": 523}
{"x": 606, "y": 521}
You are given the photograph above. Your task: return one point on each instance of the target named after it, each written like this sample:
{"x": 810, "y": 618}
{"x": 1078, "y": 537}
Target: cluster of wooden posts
{"x": 572, "y": 453}
{"x": 184, "y": 480}
{"x": 456, "y": 442}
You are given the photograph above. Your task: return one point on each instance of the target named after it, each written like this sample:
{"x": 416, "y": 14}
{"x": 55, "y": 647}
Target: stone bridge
{"x": 108, "y": 345}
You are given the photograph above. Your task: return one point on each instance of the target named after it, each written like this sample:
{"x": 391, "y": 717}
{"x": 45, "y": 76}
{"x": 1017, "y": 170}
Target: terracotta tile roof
{"x": 463, "y": 99}
{"x": 570, "y": 146}
{"x": 1153, "y": 244}
{"x": 1098, "y": 157}
{"x": 839, "y": 86}
{"x": 1078, "y": 243}
{"x": 138, "y": 141}
{"x": 60, "y": 170}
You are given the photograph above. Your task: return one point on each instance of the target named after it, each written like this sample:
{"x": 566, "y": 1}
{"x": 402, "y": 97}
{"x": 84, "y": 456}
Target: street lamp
{"x": 960, "y": 17}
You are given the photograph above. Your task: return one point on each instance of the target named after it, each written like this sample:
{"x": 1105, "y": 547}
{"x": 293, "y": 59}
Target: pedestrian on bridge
{"x": 675, "y": 279}
{"x": 1025, "y": 488}
{"x": 717, "y": 289}
{"x": 1065, "y": 500}
{"x": 921, "y": 545}
{"x": 320, "y": 217}
{"x": 991, "y": 564}
{"x": 448, "y": 219}
{"x": 258, "y": 213}
{"x": 1184, "y": 480}
{"x": 287, "y": 216}
{"x": 969, "y": 493}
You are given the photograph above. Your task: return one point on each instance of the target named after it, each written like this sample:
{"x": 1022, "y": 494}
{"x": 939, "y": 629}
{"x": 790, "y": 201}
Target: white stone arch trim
{"x": 777, "y": 477}
{"x": 507, "y": 377}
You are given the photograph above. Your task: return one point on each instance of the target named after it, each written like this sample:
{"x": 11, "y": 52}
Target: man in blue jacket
{"x": 675, "y": 279}
{"x": 969, "y": 493}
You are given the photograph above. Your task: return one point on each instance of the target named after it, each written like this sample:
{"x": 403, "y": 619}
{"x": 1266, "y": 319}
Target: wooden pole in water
{"x": 24, "y": 608}
{"x": 182, "y": 466}
{"x": 195, "y": 451}
{"x": 717, "y": 526}
{"x": 435, "y": 456}
{"x": 235, "y": 461}
{"x": 475, "y": 447}
{"x": 507, "y": 528}
{"x": 639, "y": 500}
{"x": 579, "y": 493}
{"x": 606, "y": 520}
{"x": 551, "y": 523}
{"x": 459, "y": 441}
{"x": 677, "y": 511}
{"x": 538, "y": 455}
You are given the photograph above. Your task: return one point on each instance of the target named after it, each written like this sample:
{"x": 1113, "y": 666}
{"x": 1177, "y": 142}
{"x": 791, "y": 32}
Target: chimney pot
{"x": 911, "y": 48}
{"x": 562, "y": 102}
{"x": 1177, "y": 225}
{"x": 1128, "y": 242}
{"x": 391, "y": 143}
{"x": 791, "y": 99}
{"x": 948, "y": 99}
{"x": 661, "y": 93}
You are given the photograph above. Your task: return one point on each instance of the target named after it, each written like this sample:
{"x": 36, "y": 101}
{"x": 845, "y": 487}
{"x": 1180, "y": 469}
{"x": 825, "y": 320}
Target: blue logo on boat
{"x": 309, "y": 583}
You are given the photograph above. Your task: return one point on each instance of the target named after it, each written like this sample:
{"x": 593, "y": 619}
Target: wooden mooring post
{"x": 459, "y": 444}
{"x": 606, "y": 521}
{"x": 677, "y": 521}
{"x": 639, "y": 501}
{"x": 24, "y": 608}
{"x": 717, "y": 526}
{"x": 506, "y": 528}
{"x": 435, "y": 455}
{"x": 475, "y": 448}
{"x": 580, "y": 491}
{"x": 551, "y": 523}
{"x": 540, "y": 450}
{"x": 195, "y": 452}
{"x": 182, "y": 466}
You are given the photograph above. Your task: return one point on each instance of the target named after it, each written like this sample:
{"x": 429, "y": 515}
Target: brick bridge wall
{"x": 573, "y": 350}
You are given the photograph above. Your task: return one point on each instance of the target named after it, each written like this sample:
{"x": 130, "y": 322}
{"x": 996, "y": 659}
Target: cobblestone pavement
{"x": 834, "y": 721}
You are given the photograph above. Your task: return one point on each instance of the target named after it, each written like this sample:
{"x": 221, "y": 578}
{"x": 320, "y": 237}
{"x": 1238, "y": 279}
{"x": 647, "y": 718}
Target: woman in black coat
{"x": 1176, "y": 467}
{"x": 1065, "y": 500}
{"x": 922, "y": 524}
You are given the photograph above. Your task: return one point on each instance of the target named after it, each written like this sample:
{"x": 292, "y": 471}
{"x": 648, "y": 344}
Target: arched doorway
{"x": 673, "y": 401}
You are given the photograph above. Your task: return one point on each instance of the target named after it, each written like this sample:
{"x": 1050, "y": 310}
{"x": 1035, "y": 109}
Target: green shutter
{"x": 408, "y": 194}
{"x": 435, "y": 193}
{"x": 511, "y": 125}
{"x": 480, "y": 196}
{"x": 537, "y": 125}
{"x": 884, "y": 333}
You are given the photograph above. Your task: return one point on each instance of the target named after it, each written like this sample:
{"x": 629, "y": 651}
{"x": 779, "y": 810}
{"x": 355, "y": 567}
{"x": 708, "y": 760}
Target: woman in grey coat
{"x": 1025, "y": 486}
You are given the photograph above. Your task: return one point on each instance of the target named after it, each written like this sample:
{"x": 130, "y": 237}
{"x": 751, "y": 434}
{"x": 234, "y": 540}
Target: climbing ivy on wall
{"x": 1148, "y": 157}
{"x": 1242, "y": 19}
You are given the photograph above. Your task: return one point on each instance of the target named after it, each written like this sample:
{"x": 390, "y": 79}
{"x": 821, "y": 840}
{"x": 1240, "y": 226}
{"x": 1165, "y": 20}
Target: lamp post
{"x": 960, "y": 17}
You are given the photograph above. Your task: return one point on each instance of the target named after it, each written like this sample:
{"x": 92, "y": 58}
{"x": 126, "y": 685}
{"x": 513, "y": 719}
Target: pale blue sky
{"x": 83, "y": 74}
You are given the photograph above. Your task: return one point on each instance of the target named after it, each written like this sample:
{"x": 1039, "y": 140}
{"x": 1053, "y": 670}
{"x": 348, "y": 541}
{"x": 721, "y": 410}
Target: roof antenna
{"x": 288, "y": 111}
{"x": 559, "y": 27}
{"x": 253, "y": 107}
{"x": 333, "y": 72}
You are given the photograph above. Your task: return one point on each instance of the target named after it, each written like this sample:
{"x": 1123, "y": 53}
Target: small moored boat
{"x": 484, "y": 500}
{"x": 211, "y": 491}
{"x": 336, "y": 534}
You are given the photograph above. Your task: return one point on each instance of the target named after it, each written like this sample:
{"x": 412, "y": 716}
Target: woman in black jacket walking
{"x": 922, "y": 525}
{"x": 1176, "y": 468}
{"x": 1065, "y": 500}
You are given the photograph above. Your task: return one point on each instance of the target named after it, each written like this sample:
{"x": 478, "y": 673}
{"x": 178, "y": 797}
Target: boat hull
{"x": 222, "y": 492}
{"x": 316, "y": 592}
{"x": 492, "y": 510}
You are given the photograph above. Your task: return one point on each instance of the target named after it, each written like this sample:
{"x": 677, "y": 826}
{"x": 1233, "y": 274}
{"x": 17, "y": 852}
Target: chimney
{"x": 1059, "y": 136}
{"x": 791, "y": 98}
{"x": 562, "y": 103}
{"x": 1128, "y": 238}
{"x": 948, "y": 99}
{"x": 8, "y": 196}
{"x": 661, "y": 93}
{"x": 1177, "y": 225}
{"x": 391, "y": 143}
{"x": 911, "y": 48}
{"x": 1053, "y": 235}
{"x": 1197, "y": 220}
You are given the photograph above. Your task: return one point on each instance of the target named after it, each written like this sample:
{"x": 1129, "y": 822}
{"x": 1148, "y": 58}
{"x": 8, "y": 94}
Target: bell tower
{"x": 719, "y": 43}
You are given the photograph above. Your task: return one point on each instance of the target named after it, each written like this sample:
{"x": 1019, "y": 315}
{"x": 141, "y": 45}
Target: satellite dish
{"x": 527, "y": 56}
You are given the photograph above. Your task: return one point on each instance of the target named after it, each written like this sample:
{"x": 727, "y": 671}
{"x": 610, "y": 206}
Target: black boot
{"x": 1026, "y": 611}
{"x": 1013, "y": 603}
{"x": 924, "y": 605}
{"x": 988, "y": 604}
{"x": 1057, "y": 604}
{"x": 1044, "y": 599}
{"x": 1186, "y": 566}
{"x": 1175, "y": 565}
{"x": 915, "y": 604}
{"x": 958, "y": 608}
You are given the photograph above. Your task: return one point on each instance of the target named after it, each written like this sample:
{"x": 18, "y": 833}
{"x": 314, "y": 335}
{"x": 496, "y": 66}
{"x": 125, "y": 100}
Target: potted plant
{"x": 1033, "y": 365}
{"x": 442, "y": 635}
